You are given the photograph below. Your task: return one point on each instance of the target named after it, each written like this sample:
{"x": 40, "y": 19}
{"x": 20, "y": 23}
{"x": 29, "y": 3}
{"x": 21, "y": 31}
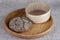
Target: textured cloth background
{"x": 7, "y": 6}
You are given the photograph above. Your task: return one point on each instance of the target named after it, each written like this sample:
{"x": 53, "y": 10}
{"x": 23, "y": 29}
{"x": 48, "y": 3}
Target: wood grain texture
{"x": 37, "y": 30}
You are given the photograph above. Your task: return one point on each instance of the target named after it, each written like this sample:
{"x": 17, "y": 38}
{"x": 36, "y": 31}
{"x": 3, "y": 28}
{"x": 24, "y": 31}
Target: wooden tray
{"x": 37, "y": 30}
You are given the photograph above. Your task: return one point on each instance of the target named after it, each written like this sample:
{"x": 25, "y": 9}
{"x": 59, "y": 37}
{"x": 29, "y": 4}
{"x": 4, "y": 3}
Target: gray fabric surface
{"x": 7, "y": 6}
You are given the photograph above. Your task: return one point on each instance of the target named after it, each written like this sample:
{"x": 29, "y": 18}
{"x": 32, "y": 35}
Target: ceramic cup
{"x": 38, "y": 6}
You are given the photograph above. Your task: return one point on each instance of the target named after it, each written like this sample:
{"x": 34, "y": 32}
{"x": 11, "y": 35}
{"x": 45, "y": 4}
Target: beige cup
{"x": 38, "y": 6}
